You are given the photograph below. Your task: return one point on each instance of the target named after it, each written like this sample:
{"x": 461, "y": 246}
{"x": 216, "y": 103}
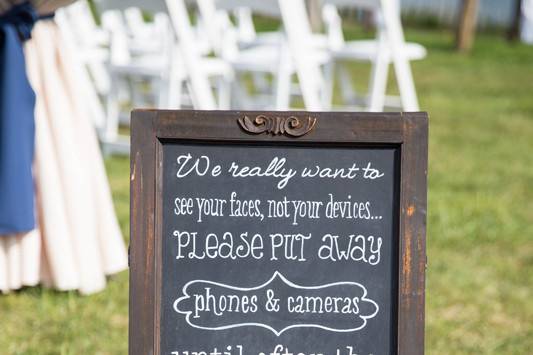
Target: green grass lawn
{"x": 480, "y": 223}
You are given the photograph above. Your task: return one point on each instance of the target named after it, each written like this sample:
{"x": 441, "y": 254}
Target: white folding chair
{"x": 257, "y": 58}
{"x": 269, "y": 43}
{"x": 163, "y": 56}
{"x": 389, "y": 47}
{"x": 139, "y": 64}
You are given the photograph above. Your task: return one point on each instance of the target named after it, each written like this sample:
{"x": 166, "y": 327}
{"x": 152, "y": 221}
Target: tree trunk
{"x": 514, "y": 30}
{"x": 466, "y": 26}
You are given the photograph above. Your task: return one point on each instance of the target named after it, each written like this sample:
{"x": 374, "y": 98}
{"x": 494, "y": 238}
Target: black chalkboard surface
{"x": 277, "y": 233}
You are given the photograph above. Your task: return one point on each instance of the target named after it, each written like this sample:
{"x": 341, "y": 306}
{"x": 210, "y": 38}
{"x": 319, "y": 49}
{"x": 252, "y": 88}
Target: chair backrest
{"x": 81, "y": 21}
{"x": 218, "y": 27}
{"x": 123, "y": 19}
{"x": 136, "y": 24}
{"x": 243, "y": 11}
{"x": 245, "y": 24}
{"x": 261, "y": 7}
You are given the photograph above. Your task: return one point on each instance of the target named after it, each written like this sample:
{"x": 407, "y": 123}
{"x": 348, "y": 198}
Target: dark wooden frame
{"x": 408, "y": 131}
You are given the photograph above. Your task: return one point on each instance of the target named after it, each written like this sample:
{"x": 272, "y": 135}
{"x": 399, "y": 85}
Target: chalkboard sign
{"x": 257, "y": 233}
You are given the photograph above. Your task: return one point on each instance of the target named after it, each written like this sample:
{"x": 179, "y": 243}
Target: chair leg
{"x": 240, "y": 98}
{"x": 348, "y": 93}
{"x": 406, "y": 85}
{"x": 110, "y": 133}
{"x": 402, "y": 68}
{"x": 163, "y": 84}
{"x": 175, "y": 88}
{"x": 378, "y": 79}
{"x": 224, "y": 93}
{"x": 282, "y": 90}
{"x": 282, "y": 82}
{"x": 327, "y": 92}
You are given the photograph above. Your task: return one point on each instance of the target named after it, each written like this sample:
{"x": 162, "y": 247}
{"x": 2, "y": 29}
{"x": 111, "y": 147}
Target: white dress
{"x": 78, "y": 241}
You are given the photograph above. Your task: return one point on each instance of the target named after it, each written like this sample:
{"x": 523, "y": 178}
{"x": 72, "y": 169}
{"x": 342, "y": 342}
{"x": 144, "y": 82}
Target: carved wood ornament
{"x": 290, "y": 126}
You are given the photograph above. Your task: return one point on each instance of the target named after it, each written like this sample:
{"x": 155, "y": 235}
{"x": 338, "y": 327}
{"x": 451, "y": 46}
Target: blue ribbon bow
{"x": 17, "y": 125}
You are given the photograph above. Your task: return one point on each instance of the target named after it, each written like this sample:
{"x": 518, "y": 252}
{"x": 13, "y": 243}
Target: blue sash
{"x": 17, "y": 126}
